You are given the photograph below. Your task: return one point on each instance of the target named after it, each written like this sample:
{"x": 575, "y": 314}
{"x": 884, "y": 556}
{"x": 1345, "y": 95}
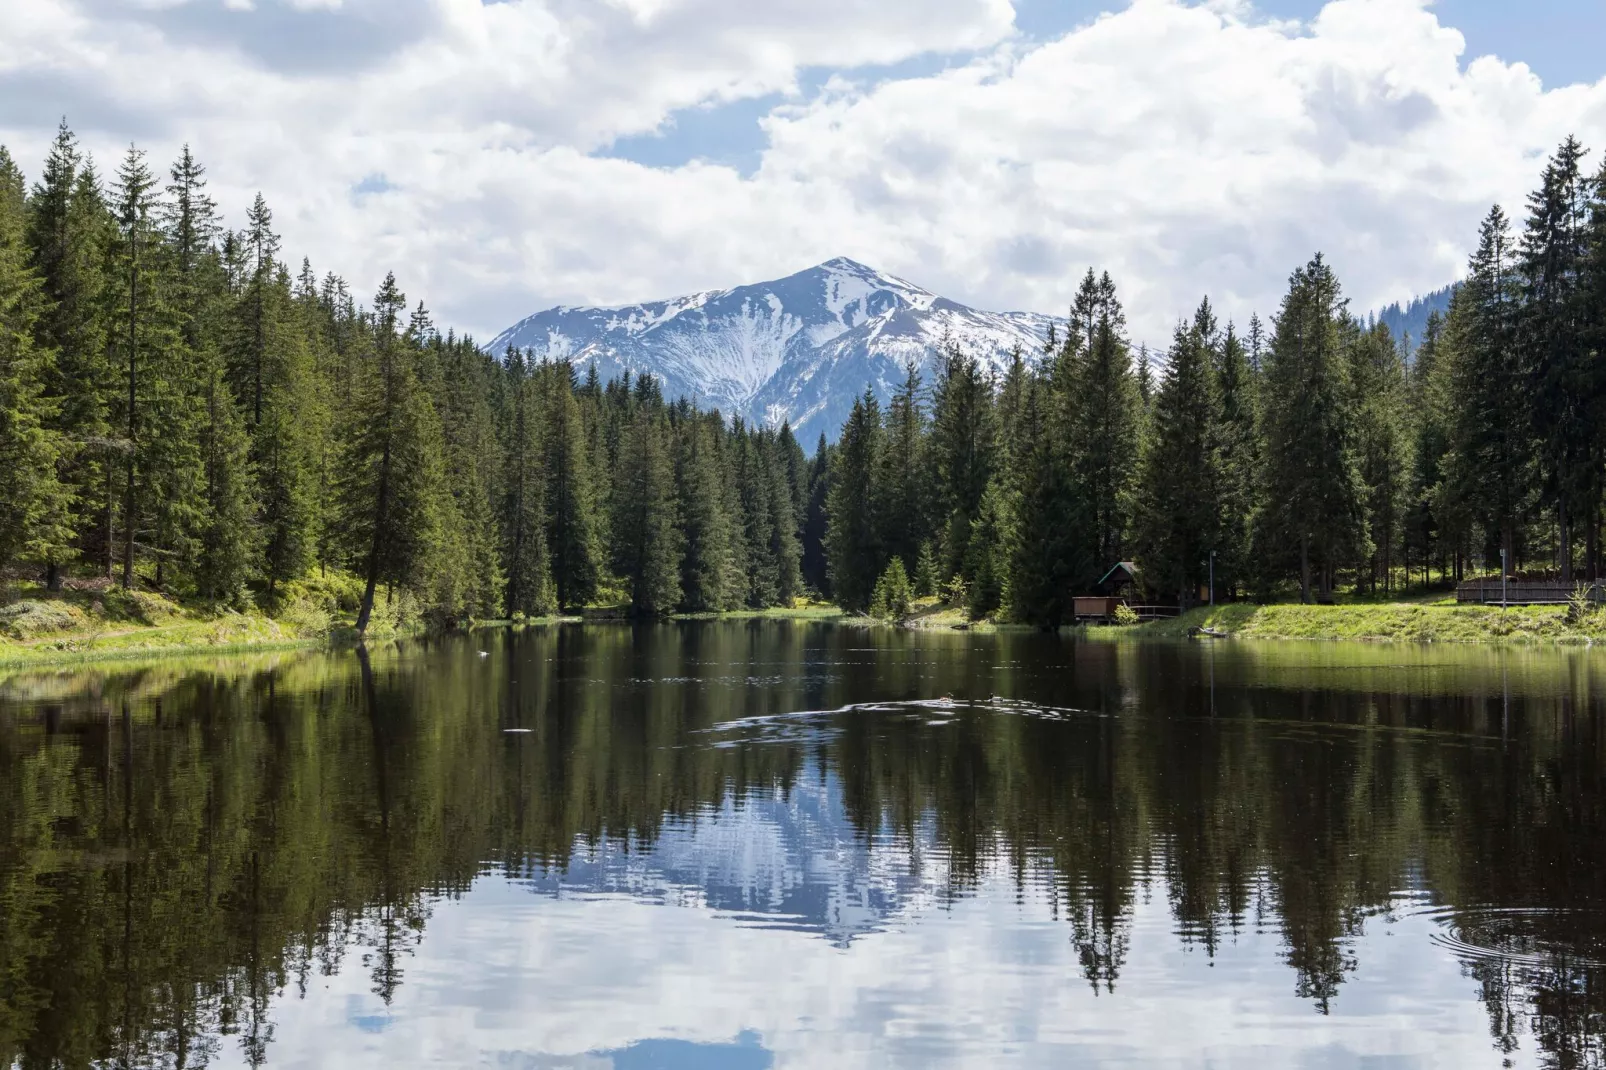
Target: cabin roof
{"x": 1120, "y": 566}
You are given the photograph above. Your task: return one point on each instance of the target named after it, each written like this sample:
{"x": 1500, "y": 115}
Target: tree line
{"x": 180, "y": 410}
{"x": 1293, "y": 458}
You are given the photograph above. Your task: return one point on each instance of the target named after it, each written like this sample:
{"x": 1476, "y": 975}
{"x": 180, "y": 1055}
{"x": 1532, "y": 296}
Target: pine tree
{"x": 526, "y": 563}
{"x": 1491, "y": 455}
{"x": 34, "y": 526}
{"x": 573, "y": 536}
{"x": 816, "y": 574}
{"x": 963, "y": 443}
{"x": 393, "y": 478}
{"x": 69, "y": 240}
{"x": 852, "y": 542}
{"x": 1238, "y": 438}
{"x": 1314, "y": 497}
{"x": 1550, "y": 335}
{"x": 1378, "y": 378}
{"x": 904, "y": 505}
{"x": 1181, "y": 487}
{"x": 1103, "y": 424}
{"x": 1427, "y": 398}
{"x": 1051, "y": 551}
{"x": 647, "y": 546}
{"x": 706, "y": 576}
{"x": 990, "y": 551}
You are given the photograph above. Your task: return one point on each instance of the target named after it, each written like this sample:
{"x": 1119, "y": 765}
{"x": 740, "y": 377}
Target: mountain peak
{"x": 798, "y": 349}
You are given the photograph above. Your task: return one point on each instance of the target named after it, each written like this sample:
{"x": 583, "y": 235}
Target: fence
{"x": 1526, "y": 592}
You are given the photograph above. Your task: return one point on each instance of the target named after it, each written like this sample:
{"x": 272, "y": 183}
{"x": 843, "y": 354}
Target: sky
{"x": 503, "y": 156}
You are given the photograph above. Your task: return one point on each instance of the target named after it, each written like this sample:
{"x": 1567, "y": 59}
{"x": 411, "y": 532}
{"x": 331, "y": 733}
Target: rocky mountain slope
{"x": 798, "y": 349}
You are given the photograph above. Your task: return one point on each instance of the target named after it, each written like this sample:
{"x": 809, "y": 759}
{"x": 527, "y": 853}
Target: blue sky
{"x": 505, "y": 157}
{"x": 1560, "y": 40}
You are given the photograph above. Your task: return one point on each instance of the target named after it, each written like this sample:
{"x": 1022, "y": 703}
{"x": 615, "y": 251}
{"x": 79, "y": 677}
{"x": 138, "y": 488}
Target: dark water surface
{"x": 773, "y": 844}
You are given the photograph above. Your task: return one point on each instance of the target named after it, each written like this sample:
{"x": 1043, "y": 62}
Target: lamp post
{"x": 1503, "y": 572}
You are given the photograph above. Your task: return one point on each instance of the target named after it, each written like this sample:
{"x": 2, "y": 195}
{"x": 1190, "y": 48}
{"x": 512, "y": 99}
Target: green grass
{"x": 1437, "y": 622}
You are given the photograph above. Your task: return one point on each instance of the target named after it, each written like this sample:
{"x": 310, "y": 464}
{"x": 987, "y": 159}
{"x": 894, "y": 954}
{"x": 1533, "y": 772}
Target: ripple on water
{"x": 1526, "y": 936}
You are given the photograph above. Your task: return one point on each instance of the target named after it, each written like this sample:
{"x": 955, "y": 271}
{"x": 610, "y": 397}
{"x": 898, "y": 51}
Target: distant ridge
{"x": 798, "y": 349}
{"x": 1410, "y": 321}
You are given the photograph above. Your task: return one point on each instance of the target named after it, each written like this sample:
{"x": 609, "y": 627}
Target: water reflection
{"x": 766, "y": 844}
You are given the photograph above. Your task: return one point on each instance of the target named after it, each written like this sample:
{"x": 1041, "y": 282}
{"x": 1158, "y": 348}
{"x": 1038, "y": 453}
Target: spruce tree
{"x": 1378, "y": 377}
{"x": 526, "y": 563}
{"x": 1050, "y": 553}
{"x": 1314, "y": 516}
{"x": 1491, "y": 455}
{"x": 815, "y": 571}
{"x": 1551, "y": 338}
{"x": 573, "y": 536}
{"x": 1180, "y": 492}
{"x": 647, "y": 541}
{"x": 904, "y": 505}
{"x": 963, "y": 443}
{"x": 1104, "y": 414}
{"x": 853, "y": 549}
{"x": 35, "y": 523}
{"x": 70, "y": 238}
{"x": 706, "y": 576}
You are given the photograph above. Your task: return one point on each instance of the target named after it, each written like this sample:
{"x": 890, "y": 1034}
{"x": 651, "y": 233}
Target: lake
{"x": 740, "y": 845}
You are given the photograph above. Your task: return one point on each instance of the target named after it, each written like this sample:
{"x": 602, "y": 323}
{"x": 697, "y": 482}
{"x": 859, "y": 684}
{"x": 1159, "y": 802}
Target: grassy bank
{"x": 1438, "y": 622}
{"x": 94, "y": 621}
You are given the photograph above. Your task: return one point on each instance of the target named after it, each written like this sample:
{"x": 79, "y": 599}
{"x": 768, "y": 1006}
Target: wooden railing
{"x": 1490, "y": 592}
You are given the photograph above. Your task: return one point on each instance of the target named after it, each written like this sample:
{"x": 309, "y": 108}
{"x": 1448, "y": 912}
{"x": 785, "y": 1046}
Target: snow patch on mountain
{"x": 798, "y": 349}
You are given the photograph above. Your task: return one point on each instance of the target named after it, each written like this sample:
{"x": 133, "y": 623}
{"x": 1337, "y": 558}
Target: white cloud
{"x": 1187, "y": 149}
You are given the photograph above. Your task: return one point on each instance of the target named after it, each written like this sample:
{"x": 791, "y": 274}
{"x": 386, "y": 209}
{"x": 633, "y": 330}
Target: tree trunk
{"x": 381, "y": 508}
{"x": 1304, "y": 569}
{"x": 52, "y": 575}
{"x": 1565, "y": 523}
{"x": 133, "y": 426}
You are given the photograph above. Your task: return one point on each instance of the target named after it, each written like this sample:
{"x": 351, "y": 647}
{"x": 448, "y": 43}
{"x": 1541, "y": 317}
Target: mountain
{"x": 1411, "y": 320}
{"x": 798, "y": 349}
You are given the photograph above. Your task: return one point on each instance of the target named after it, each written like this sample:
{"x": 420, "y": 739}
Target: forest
{"x": 183, "y": 411}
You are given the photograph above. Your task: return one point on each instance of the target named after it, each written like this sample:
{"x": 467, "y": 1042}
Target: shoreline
{"x": 1391, "y": 622}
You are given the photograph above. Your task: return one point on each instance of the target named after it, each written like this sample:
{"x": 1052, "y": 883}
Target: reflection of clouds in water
{"x": 772, "y": 861}
{"x": 987, "y": 981}
{"x": 660, "y": 955}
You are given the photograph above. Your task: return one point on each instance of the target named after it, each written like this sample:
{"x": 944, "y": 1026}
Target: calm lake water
{"x": 775, "y": 844}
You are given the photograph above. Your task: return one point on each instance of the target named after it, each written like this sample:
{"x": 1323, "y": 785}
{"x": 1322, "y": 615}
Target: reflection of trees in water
{"x": 162, "y": 877}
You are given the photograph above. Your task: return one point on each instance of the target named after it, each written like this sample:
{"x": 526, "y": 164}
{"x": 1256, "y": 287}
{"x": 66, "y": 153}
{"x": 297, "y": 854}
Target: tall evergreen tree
{"x": 1314, "y": 496}
{"x": 573, "y": 536}
{"x": 35, "y": 524}
{"x": 1181, "y": 488}
{"x": 963, "y": 443}
{"x": 1101, "y": 396}
{"x": 1489, "y": 466}
{"x": 1550, "y": 334}
{"x": 854, "y": 553}
{"x": 70, "y": 238}
{"x": 526, "y": 563}
{"x": 647, "y": 542}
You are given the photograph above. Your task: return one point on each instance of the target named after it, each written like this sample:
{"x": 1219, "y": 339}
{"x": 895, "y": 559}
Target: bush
{"x": 24, "y": 620}
{"x": 1126, "y": 616}
{"x": 893, "y": 598}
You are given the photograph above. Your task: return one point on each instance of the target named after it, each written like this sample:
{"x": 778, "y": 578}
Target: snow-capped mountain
{"x": 798, "y": 349}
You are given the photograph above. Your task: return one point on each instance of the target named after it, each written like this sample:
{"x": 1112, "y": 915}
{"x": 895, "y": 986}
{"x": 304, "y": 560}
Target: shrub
{"x": 1126, "y": 616}
{"x": 893, "y": 598}
{"x": 24, "y": 620}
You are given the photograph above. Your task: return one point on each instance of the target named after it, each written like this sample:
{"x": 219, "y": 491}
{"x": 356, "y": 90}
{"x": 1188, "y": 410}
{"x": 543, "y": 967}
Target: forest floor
{"x": 1437, "y": 621}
